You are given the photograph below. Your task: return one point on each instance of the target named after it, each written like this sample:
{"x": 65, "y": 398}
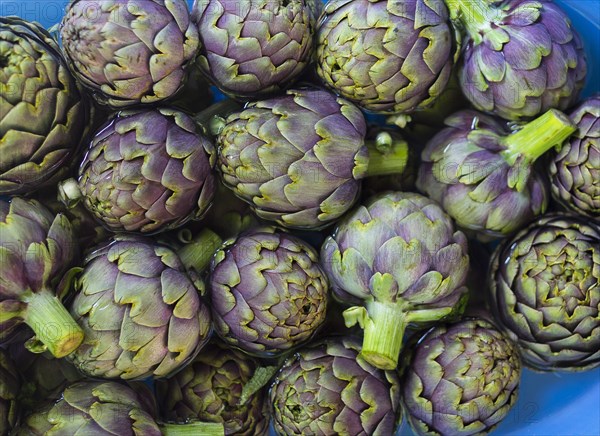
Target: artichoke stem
{"x": 383, "y": 333}
{"x": 538, "y": 136}
{"x": 212, "y": 119}
{"x": 52, "y": 323}
{"x": 193, "y": 429}
{"x": 197, "y": 254}
{"x": 69, "y": 193}
{"x": 386, "y": 155}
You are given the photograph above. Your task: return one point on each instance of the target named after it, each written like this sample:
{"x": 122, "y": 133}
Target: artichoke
{"x": 544, "y": 292}
{"x": 297, "y": 158}
{"x": 42, "y": 114}
{"x": 44, "y": 378}
{"x": 575, "y": 169}
{"x": 398, "y": 260}
{"x": 484, "y": 176}
{"x": 146, "y": 171}
{"x": 462, "y": 378}
{"x": 520, "y": 58}
{"x": 327, "y": 388}
{"x": 268, "y": 292}
{"x": 9, "y": 389}
{"x": 129, "y": 52}
{"x": 94, "y": 408}
{"x": 210, "y": 389}
{"x": 254, "y": 47}
{"x": 36, "y": 249}
{"x": 386, "y": 56}
{"x": 141, "y": 313}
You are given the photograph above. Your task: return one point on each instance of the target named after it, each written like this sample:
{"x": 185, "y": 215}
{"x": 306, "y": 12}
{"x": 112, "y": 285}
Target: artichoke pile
{"x": 207, "y": 227}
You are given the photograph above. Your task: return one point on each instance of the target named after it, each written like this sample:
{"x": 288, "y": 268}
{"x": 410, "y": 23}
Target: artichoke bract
{"x": 544, "y": 292}
{"x": 484, "y": 176}
{"x": 10, "y": 385}
{"x": 462, "y": 378}
{"x": 37, "y": 248}
{"x": 327, "y": 388}
{"x": 129, "y": 52}
{"x": 254, "y": 47}
{"x": 575, "y": 169}
{"x": 210, "y": 389}
{"x": 386, "y": 56}
{"x": 44, "y": 377}
{"x": 298, "y": 158}
{"x": 141, "y": 312}
{"x": 268, "y": 292}
{"x": 398, "y": 260}
{"x": 96, "y": 408}
{"x": 146, "y": 171}
{"x": 520, "y": 57}
{"x": 42, "y": 114}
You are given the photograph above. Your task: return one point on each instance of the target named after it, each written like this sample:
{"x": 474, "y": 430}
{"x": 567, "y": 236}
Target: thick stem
{"x": 212, "y": 119}
{"x": 387, "y": 155}
{"x": 193, "y": 429}
{"x": 262, "y": 375}
{"x": 197, "y": 254}
{"x": 538, "y": 136}
{"x": 52, "y": 323}
{"x": 383, "y": 333}
{"x": 69, "y": 193}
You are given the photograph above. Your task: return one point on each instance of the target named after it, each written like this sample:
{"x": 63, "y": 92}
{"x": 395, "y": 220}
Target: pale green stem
{"x": 212, "y": 119}
{"x": 387, "y": 155}
{"x": 474, "y": 15}
{"x": 193, "y": 429}
{"x": 538, "y": 136}
{"x": 198, "y": 253}
{"x": 52, "y": 323}
{"x": 69, "y": 193}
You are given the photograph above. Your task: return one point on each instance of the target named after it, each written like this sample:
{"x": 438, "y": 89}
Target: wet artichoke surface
{"x": 299, "y": 217}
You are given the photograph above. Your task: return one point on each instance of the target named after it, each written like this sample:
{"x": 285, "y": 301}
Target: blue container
{"x": 549, "y": 403}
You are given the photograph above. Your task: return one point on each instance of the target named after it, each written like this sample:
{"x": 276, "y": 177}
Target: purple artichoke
{"x": 544, "y": 292}
{"x": 141, "y": 312}
{"x": 328, "y": 389}
{"x": 461, "y": 378}
{"x": 575, "y": 169}
{"x": 254, "y": 47}
{"x": 36, "y": 250}
{"x": 210, "y": 389}
{"x": 268, "y": 292}
{"x": 146, "y": 171}
{"x": 128, "y": 52}
{"x": 484, "y": 176}
{"x": 297, "y": 158}
{"x": 398, "y": 260}
{"x": 520, "y": 58}
{"x": 386, "y": 56}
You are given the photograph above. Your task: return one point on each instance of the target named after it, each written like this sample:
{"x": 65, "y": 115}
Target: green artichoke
{"x": 95, "y": 408}
{"x": 36, "y": 250}
{"x": 254, "y": 47}
{"x": 129, "y": 52}
{"x": 386, "y": 56}
{"x": 141, "y": 313}
{"x": 461, "y": 378}
{"x": 9, "y": 390}
{"x": 147, "y": 171}
{"x": 484, "y": 176}
{"x": 42, "y": 113}
{"x": 520, "y": 58}
{"x": 44, "y": 377}
{"x": 268, "y": 292}
{"x": 210, "y": 389}
{"x": 297, "y": 158}
{"x": 327, "y": 388}
{"x": 575, "y": 169}
{"x": 397, "y": 260}
{"x": 544, "y": 292}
